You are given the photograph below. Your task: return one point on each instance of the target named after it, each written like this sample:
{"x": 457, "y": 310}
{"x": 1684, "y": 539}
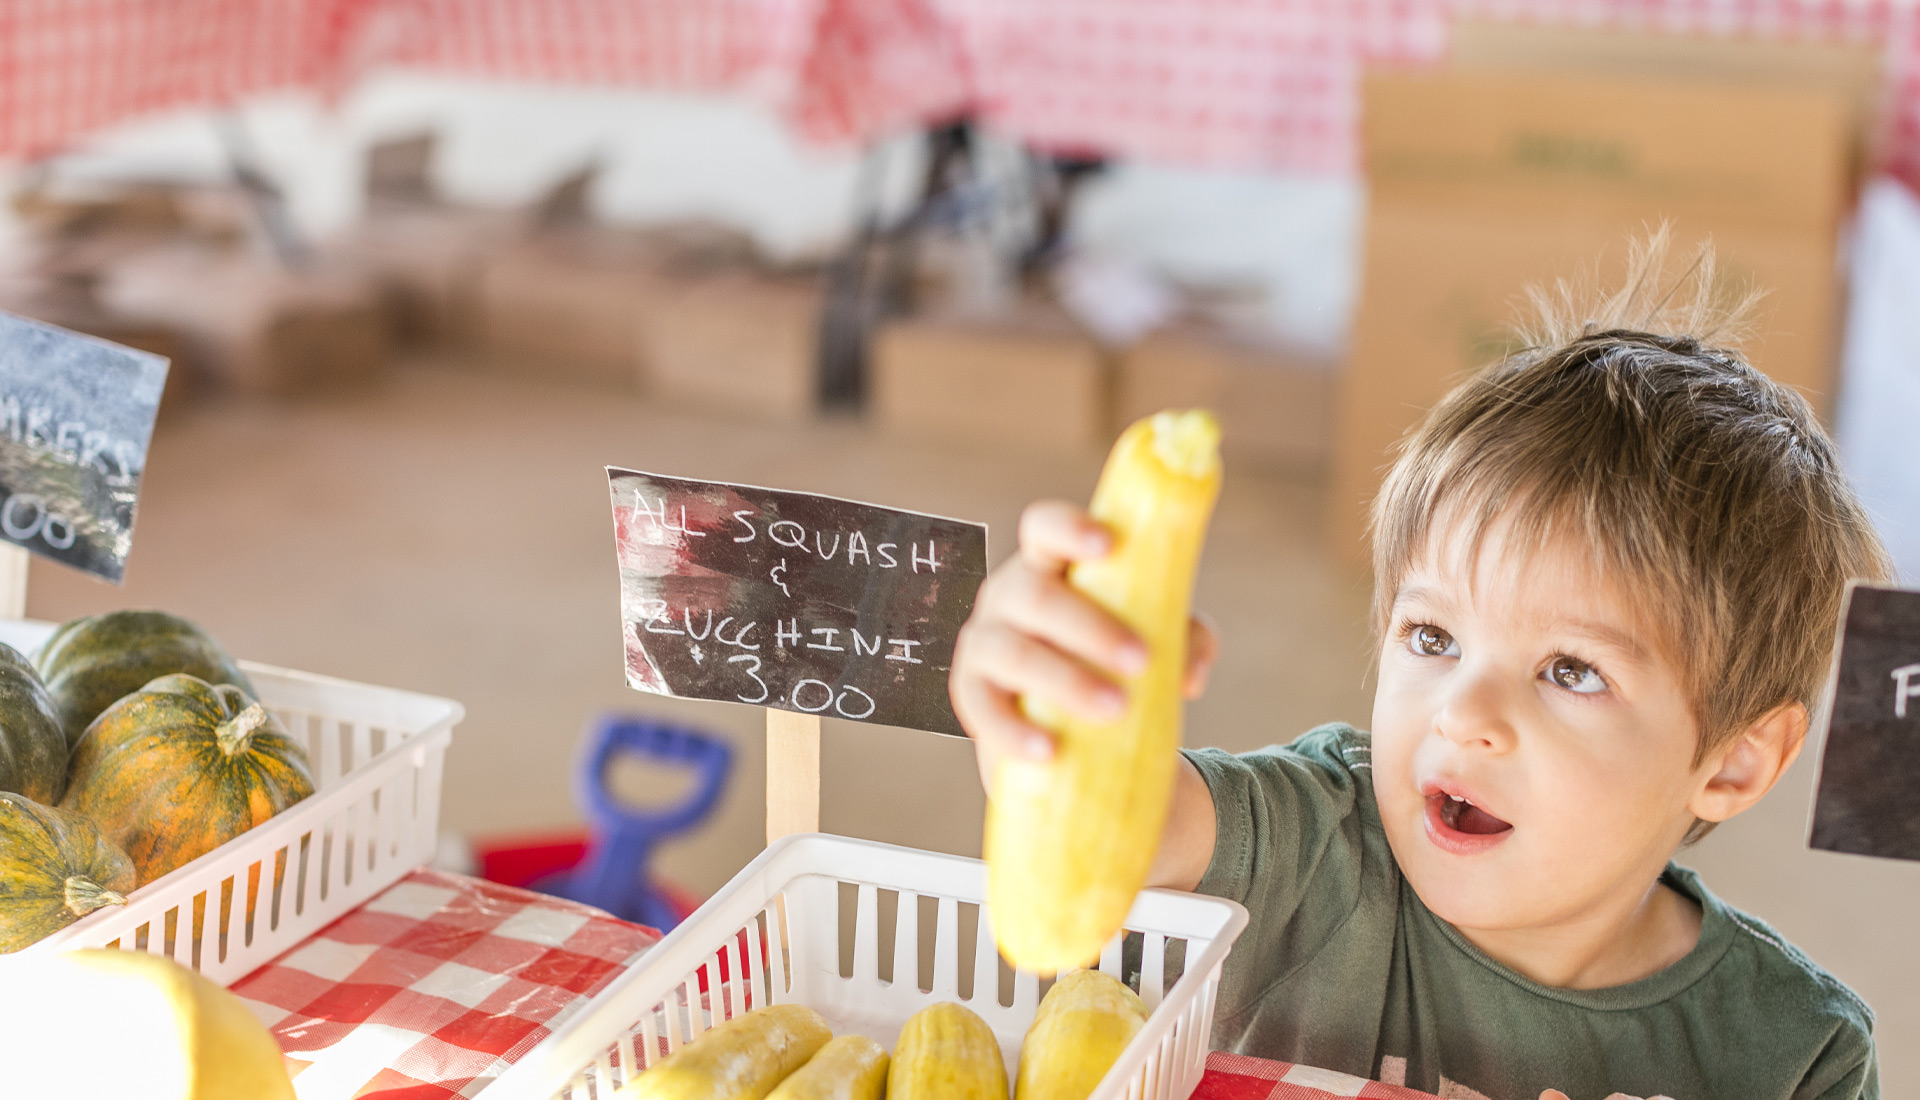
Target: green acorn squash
{"x": 33, "y": 749}
{"x": 55, "y": 867}
{"x": 182, "y": 766}
{"x": 91, "y": 663}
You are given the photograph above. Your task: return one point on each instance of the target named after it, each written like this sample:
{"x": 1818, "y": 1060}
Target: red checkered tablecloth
{"x": 1249, "y": 84}
{"x": 434, "y": 987}
{"x": 1274, "y": 84}
{"x": 1237, "y": 1077}
{"x": 1252, "y": 84}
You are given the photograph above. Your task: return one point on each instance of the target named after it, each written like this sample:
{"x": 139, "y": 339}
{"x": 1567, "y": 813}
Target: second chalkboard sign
{"x": 792, "y": 600}
{"x": 1868, "y": 800}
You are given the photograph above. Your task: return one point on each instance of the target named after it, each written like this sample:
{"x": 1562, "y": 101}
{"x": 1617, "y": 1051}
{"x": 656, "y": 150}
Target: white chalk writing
{"x": 752, "y": 669}
{"x": 1906, "y": 686}
{"x": 25, "y": 515}
{"x": 811, "y": 695}
{"x": 933, "y": 566}
{"x": 71, "y": 440}
{"x": 656, "y": 512}
{"x": 859, "y": 549}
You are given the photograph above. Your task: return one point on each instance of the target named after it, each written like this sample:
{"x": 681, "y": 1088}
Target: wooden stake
{"x": 793, "y": 774}
{"x": 13, "y": 581}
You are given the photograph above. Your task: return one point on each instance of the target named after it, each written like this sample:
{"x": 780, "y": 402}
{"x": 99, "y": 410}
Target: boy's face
{"x": 1532, "y": 748}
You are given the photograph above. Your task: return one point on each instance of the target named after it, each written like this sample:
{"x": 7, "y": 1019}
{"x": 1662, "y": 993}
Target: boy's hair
{"x": 1710, "y": 491}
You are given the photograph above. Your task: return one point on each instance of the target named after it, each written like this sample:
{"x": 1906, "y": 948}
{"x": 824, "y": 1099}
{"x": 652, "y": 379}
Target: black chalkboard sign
{"x": 790, "y": 600}
{"x": 1869, "y": 796}
{"x": 76, "y": 415}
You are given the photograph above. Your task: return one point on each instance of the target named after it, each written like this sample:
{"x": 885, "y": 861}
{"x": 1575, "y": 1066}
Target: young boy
{"x": 1607, "y": 572}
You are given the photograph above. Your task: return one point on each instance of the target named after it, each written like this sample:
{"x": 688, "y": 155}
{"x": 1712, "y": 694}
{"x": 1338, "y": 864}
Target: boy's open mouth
{"x": 1463, "y": 816}
{"x": 1455, "y": 824}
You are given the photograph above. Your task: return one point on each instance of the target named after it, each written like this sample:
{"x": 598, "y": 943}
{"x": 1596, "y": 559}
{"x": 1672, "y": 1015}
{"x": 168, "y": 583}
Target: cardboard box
{"x": 1275, "y": 410}
{"x": 148, "y": 210}
{"x": 1559, "y": 146}
{"x": 552, "y": 306}
{"x": 1855, "y": 70}
{"x": 252, "y": 324}
{"x": 1484, "y": 183}
{"x": 425, "y": 262}
{"x": 1030, "y": 380}
{"x": 737, "y": 342}
{"x": 400, "y": 170}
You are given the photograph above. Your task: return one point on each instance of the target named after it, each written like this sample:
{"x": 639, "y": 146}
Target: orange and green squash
{"x": 33, "y": 749}
{"x": 91, "y": 663}
{"x": 182, "y": 766}
{"x": 55, "y": 867}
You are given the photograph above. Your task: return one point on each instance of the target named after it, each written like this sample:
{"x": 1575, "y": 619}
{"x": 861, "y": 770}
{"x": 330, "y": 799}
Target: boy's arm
{"x": 1032, "y": 634}
{"x": 1186, "y": 848}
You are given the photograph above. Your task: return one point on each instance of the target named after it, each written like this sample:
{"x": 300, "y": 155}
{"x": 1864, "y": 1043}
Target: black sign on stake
{"x": 1868, "y": 801}
{"x": 792, "y": 601}
{"x": 76, "y": 415}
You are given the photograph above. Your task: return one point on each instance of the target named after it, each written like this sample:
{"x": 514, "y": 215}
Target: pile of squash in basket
{"x": 945, "y": 1052}
{"x": 131, "y": 744}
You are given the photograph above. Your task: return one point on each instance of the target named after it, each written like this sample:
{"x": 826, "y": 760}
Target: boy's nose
{"x": 1474, "y": 714}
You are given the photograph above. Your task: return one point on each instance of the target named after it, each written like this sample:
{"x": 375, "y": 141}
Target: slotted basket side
{"x": 775, "y": 934}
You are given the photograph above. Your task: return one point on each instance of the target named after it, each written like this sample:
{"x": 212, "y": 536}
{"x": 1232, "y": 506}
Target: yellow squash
{"x": 946, "y": 1052}
{"x": 1069, "y": 841}
{"x": 851, "y": 1067}
{"x": 741, "y": 1059}
{"x": 1083, "y": 1024}
{"x": 130, "y": 1025}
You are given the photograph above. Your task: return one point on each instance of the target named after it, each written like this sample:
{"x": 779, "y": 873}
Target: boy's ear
{"x": 1747, "y": 768}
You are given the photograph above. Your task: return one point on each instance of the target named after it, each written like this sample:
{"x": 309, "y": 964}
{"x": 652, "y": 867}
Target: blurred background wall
{"x": 1287, "y": 240}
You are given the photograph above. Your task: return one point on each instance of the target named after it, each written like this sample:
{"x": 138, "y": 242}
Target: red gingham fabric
{"x": 1248, "y": 84}
{"x": 1252, "y": 84}
{"x": 688, "y": 44}
{"x": 1273, "y": 84}
{"x": 435, "y": 987}
{"x": 876, "y": 66}
{"x": 67, "y": 67}
{"x": 1237, "y": 1077}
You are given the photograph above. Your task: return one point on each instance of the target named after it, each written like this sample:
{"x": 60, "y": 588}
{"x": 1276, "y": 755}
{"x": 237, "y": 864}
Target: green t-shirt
{"x": 1344, "y": 968}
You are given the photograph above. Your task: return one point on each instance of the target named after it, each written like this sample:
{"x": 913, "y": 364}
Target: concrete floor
{"x": 448, "y": 532}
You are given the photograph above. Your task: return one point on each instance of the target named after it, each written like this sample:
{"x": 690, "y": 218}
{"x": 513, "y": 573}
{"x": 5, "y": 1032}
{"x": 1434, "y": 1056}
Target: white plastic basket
{"x": 376, "y": 755}
{"x": 786, "y": 916}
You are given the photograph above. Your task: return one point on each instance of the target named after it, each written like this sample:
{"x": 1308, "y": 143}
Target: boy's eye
{"x": 1575, "y": 675}
{"x": 1431, "y": 641}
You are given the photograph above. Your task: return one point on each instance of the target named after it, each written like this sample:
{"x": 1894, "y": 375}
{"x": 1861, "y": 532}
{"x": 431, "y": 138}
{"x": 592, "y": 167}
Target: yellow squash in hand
{"x": 130, "y": 1025}
{"x": 852, "y": 1067}
{"x": 946, "y": 1052}
{"x": 741, "y": 1059}
{"x": 1083, "y": 1024}
{"x": 1069, "y": 841}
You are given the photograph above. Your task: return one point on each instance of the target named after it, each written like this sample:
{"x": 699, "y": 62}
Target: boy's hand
{"x": 1032, "y": 634}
